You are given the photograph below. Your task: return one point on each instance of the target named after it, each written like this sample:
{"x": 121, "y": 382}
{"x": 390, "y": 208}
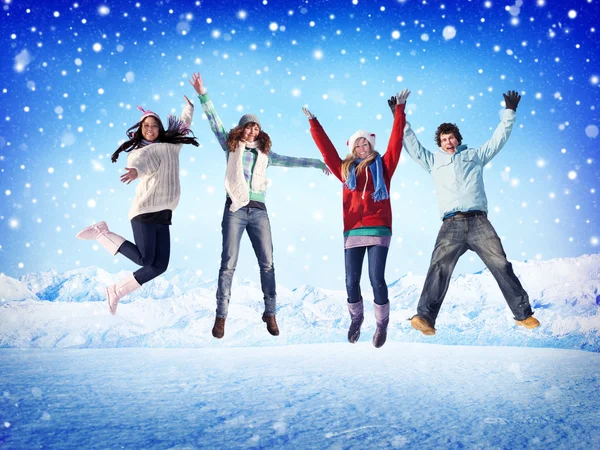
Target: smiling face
{"x": 362, "y": 148}
{"x": 448, "y": 143}
{"x": 150, "y": 128}
{"x": 250, "y": 132}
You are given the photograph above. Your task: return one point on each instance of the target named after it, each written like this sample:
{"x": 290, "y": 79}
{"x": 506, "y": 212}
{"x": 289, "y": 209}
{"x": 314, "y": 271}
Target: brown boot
{"x": 421, "y": 324}
{"x": 529, "y": 323}
{"x": 218, "y": 330}
{"x": 271, "y": 324}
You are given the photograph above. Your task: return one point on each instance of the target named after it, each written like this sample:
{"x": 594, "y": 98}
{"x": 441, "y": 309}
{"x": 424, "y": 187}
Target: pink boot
{"x": 117, "y": 291}
{"x": 106, "y": 238}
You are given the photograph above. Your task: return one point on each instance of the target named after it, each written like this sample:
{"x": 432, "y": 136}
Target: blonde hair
{"x": 351, "y": 158}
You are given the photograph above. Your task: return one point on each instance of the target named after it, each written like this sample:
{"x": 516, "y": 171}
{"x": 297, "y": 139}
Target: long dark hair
{"x": 176, "y": 133}
{"x": 235, "y": 136}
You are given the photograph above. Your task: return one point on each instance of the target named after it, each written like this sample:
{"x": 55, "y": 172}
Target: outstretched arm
{"x": 394, "y": 148}
{"x": 411, "y": 144}
{"x": 188, "y": 112}
{"x": 330, "y": 154}
{"x": 216, "y": 125}
{"x": 491, "y": 148}
{"x": 291, "y": 161}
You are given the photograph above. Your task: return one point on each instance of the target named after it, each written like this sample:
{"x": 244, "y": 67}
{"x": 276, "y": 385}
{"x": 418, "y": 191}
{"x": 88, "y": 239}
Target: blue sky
{"x": 73, "y": 73}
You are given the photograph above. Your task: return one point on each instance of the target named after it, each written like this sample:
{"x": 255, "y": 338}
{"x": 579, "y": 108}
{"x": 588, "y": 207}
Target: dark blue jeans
{"x": 354, "y": 258}
{"x": 457, "y": 235}
{"x": 151, "y": 250}
{"x": 255, "y": 222}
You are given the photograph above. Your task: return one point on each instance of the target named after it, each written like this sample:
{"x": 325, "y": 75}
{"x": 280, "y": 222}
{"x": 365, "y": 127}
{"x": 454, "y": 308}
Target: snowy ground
{"x": 321, "y": 396}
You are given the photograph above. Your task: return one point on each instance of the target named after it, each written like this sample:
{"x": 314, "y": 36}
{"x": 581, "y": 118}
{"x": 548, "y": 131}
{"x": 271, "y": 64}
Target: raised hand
{"x": 402, "y": 96}
{"x": 511, "y": 100}
{"x": 196, "y": 81}
{"x": 130, "y": 175}
{"x": 392, "y": 104}
{"x": 188, "y": 101}
{"x": 307, "y": 113}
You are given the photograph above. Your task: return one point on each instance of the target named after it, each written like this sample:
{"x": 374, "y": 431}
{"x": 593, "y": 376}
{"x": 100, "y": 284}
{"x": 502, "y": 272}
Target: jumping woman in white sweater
{"x": 154, "y": 160}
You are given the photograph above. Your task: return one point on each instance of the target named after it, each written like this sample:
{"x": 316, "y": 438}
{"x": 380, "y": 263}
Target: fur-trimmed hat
{"x": 361, "y": 134}
{"x": 248, "y": 118}
{"x": 147, "y": 113}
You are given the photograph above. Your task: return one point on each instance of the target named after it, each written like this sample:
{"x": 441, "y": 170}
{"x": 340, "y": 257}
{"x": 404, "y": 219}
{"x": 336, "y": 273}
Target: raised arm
{"x": 188, "y": 112}
{"x": 216, "y": 125}
{"x": 491, "y": 148}
{"x": 330, "y": 154}
{"x": 291, "y": 161}
{"x": 394, "y": 148}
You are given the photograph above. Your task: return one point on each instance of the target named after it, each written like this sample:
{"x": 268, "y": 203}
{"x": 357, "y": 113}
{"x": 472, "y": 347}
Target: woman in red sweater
{"x": 367, "y": 212}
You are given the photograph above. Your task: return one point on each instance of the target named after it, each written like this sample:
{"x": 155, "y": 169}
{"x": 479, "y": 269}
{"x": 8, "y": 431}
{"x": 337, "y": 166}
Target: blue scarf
{"x": 376, "y": 168}
{"x": 145, "y": 142}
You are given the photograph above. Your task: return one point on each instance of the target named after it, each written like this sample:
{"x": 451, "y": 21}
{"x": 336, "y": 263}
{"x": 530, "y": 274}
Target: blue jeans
{"x": 354, "y": 258}
{"x": 151, "y": 250}
{"x": 255, "y": 222}
{"x": 457, "y": 235}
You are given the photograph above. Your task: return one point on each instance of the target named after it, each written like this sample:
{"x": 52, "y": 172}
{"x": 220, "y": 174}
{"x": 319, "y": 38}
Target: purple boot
{"x": 382, "y": 318}
{"x": 357, "y": 316}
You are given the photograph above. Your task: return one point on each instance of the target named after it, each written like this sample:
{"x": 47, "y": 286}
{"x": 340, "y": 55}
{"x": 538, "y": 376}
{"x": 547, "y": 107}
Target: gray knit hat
{"x": 247, "y": 118}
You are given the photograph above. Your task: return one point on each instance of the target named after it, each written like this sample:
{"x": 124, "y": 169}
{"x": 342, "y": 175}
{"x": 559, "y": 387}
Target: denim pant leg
{"x": 484, "y": 241}
{"x": 377, "y": 259}
{"x": 152, "y": 250}
{"x": 259, "y": 232}
{"x": 232, "y": 227}
{"x": 353, "y": 258}
{"x": 451, "y": 244}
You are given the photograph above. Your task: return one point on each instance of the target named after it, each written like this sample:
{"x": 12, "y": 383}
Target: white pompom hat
{"x": 361, "y": 134}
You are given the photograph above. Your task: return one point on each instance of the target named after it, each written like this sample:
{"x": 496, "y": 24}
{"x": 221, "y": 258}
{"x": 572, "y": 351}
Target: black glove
{"x": 392, "y": 104}
{"x": 512, "y": 99}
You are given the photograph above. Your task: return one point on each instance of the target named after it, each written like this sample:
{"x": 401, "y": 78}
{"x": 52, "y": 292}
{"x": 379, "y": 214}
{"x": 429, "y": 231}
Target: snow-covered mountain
{"x": 68, "y": 310}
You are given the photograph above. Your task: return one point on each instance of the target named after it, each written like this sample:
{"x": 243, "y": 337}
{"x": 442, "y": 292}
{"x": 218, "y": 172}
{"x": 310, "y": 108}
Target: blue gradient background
{"x": 65, "y": 108}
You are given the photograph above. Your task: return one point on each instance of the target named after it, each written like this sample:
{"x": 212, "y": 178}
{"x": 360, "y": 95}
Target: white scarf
{"x": 235, "y": 182}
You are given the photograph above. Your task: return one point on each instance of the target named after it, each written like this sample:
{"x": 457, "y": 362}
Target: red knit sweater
{"x": 361, "y": 210}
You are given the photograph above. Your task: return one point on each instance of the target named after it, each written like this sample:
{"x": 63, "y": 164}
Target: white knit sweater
{"x": 158, "y": 174}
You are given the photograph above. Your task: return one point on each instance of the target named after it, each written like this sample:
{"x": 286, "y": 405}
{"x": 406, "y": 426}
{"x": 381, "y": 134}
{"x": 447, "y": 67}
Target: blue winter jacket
{"x": 459, "y": 178}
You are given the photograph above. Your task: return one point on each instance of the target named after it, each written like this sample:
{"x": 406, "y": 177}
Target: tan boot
{"x": 271, "y": 324}
{"x": 421, "y": 324}
{"x": 218, "y": 330}
{"x": 117, "y": 291}
{"x": 106, "y": 238}
{"x": 529, "y": 323}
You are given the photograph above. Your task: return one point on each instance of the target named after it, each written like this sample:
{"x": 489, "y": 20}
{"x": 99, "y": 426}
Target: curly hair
{"x": 175, "y": 134}
{"x": 351, "y": 158}
{"x": 235, "y": 136}
{"x": 447, "y": 128}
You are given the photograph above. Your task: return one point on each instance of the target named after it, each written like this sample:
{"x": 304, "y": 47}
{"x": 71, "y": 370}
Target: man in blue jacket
{"x": 458, "y": 175}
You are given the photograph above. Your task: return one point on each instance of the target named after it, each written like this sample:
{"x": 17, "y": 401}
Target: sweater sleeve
{"x": 144, "y": 161}
{"x": 187, "y": 114}
{"x": 394, "y": 148}
{"x": 290, "y": 161}
{"x": 330, "y": 154}
{"x": 215, "y": 121}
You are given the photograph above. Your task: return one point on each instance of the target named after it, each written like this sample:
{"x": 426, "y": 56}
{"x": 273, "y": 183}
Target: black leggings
{"x": 151, "y": 250}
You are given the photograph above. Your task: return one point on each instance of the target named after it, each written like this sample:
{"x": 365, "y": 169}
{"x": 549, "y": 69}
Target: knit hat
{"x": 247, "y": 118}
{"x": 361, "y": 134}
{"x": 147, "y": 113}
